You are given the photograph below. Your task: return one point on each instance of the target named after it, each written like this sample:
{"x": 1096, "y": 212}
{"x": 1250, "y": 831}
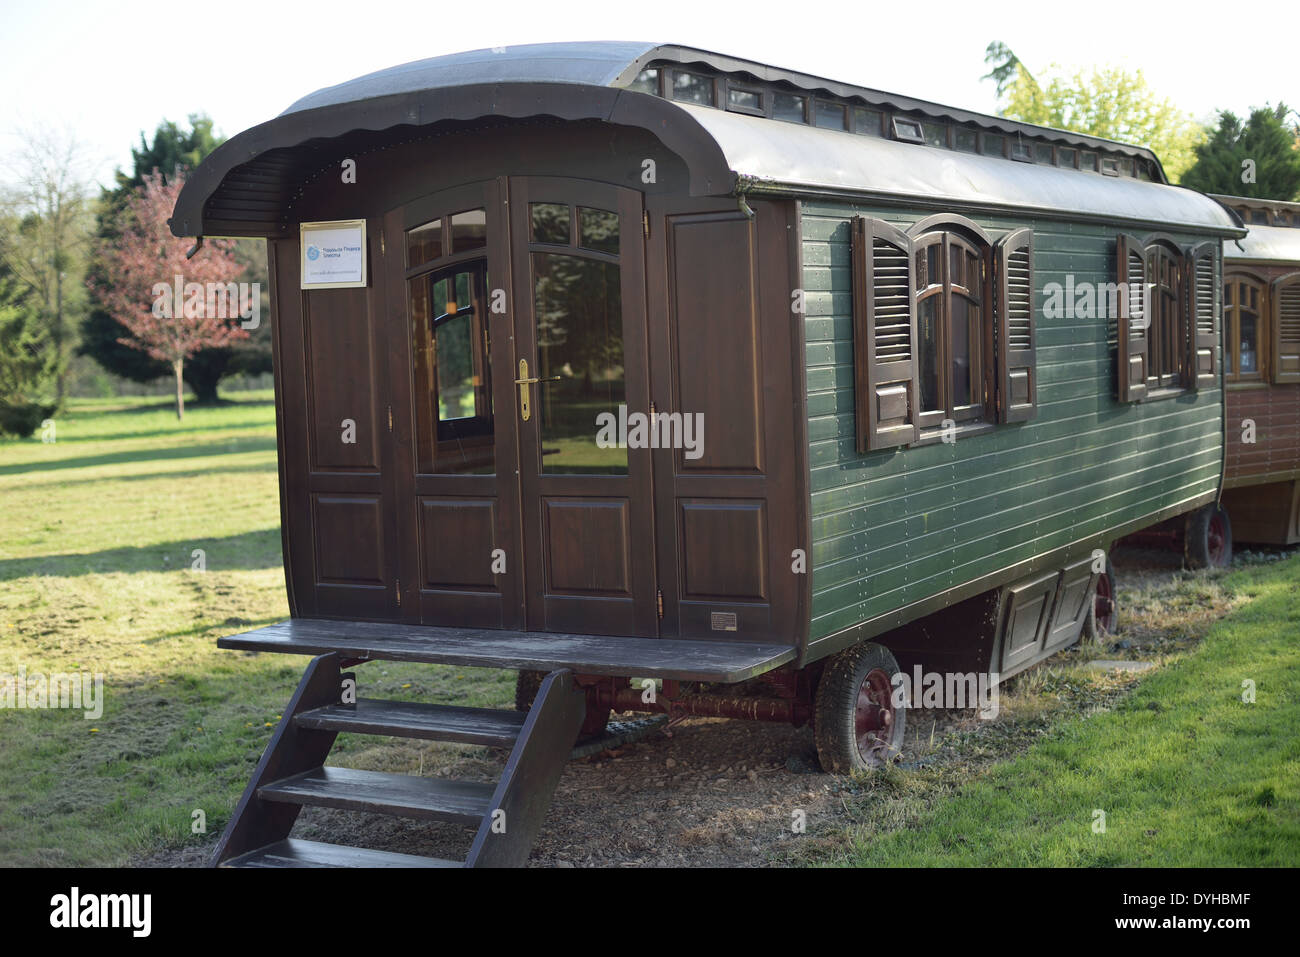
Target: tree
{"x": 1257, "y": 158}
{"x": 144, "y": 266}
{"x": 1101, "y": 101}
{"x": 173, "y": 148}
{"x": 49, "y": 207}
{"x": 28, "y": 358}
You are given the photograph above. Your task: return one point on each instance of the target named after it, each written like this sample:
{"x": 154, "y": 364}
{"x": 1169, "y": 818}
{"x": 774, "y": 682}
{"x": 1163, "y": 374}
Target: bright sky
{"x": 107, "y": 71}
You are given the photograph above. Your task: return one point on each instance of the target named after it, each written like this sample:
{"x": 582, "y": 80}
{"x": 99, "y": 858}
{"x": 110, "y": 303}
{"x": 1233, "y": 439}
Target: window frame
{"x": 946, "y": 290}
{"x": 1232, "y": 373}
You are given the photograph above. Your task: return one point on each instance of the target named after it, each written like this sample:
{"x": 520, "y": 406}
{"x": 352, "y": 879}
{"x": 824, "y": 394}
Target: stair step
{"x": 295, "y": 853}
{"x": 403, "y": 795}
{"x": 482, "y": 726}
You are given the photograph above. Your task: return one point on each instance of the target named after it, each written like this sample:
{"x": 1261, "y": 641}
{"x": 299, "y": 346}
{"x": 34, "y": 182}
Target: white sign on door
{"x": 333, "y": 254}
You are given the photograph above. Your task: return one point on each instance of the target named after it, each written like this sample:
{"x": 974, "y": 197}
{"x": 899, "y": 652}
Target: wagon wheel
{"x": 1207, "y": 538}
{"x": 526, "y": 687}
{"x": 1103, "y": 617}
{"x": 856, "y": 723}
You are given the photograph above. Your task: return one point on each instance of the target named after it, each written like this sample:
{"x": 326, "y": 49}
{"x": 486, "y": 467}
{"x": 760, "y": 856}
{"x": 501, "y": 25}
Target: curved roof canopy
{"x": 1266, "y": 244}
{"x": 248, "y": 186}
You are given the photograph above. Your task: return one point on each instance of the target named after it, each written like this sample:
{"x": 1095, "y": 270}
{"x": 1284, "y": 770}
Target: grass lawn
{"x": 98, "y": 532}
{"x": 1185, "y": 771}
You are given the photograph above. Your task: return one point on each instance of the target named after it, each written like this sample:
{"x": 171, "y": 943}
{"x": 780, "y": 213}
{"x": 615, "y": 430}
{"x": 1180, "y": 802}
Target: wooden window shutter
{"x": 1133, "y": 358}
{"x": 1203, "y": 336}
{"x": 1017, "y": 375}
{"x": 1286, "y": 329}
{"x": 884, "y": 336}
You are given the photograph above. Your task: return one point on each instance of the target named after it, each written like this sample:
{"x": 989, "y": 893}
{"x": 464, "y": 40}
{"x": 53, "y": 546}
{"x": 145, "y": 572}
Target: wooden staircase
{"x": 292, "y": 774}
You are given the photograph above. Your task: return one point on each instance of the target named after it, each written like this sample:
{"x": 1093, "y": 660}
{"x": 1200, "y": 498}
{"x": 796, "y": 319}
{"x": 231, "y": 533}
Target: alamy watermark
{"x": 950, "y": 689}
{"x": 1099, "y": 300}
{"x": 653, "y": 430}
{"x": 39, "y": 691}
{"x": 212, "y": 300}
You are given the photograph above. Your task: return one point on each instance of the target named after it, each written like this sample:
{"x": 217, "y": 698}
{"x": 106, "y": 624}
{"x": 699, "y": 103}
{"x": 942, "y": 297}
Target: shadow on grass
{"x": 147, "y": 476}
{"x": 247, "y": 552}
{"x": 164, "y": 432}
{"x": 218, "y": 447}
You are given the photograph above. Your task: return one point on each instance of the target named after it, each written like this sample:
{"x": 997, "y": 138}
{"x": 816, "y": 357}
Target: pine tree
{"x": 29, "y": 360}
{"x": 1257, "y": 158}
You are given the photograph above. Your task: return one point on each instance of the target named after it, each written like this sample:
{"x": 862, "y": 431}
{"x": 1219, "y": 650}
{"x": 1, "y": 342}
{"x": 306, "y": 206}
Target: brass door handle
{"x": 524, "y": 381}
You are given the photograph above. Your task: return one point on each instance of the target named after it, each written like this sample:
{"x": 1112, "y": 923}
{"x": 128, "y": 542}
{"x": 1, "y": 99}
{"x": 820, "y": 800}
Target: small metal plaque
{"x": 723, "y": 620}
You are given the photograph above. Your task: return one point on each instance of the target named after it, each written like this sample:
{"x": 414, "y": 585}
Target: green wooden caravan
{"x": 613, "y": 361}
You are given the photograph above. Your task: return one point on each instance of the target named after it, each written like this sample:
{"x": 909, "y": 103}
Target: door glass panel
{"x": 598, "y": 230}
{"x": 928, "y": 332}
{"x": 453, "y": 385}
{"x": 550, "y": 223}
{"x": 961, "y": 358}
{"x": 468, "y": 231}
{"x": 578, "y": 309}
{"x": 1249, "y": 348}
{"x": 424, "y": 244}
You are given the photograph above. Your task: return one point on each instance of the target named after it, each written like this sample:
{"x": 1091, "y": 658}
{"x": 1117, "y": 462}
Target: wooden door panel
{"x": 729, "y": 522}
{"x": 457, "y": 538}
{"x": 723, "y": 550}
{"x": 341, "y": 381}
{"x": 456, "y": 475}
{"x": 349, "y": 539}
{"x": 588, "y": 547}
{"x": 336, "y": 456}
{"x": 717, "y": 341}
{"x": 587, "y": 510}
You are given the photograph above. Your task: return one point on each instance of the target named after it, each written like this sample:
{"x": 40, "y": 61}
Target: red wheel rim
{"x": 874, "y": 718}
{"x": 1216, "y": 544}
{"x": 1104, "y": 604}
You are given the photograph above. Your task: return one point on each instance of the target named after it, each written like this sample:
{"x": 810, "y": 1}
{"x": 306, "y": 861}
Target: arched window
{"x": 1245, "y": 328}
{"x": 950, "y": 279}
{"x": 1167, "y": 330}
{"x": 943, "y": 329}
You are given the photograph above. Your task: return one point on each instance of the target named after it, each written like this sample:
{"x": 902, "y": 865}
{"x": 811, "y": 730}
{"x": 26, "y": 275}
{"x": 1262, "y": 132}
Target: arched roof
{"x": 248, "y": 185}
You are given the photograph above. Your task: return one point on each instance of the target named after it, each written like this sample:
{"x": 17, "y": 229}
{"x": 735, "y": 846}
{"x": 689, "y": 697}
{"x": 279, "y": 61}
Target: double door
{"x": 518, "y": 502}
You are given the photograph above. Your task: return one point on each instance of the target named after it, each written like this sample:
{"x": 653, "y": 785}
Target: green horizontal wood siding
{"x": 896, "y": 527}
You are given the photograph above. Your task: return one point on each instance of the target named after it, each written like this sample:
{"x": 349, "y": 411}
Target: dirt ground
{"x": 713, "y": 792}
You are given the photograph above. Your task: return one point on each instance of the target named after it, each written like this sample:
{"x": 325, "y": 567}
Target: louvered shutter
{"x": 884, "y": 336}
{"x": 1134, "y": 343}
{"x": 1286, "y": 329}
{"x": 1204, "y": 337}
{"x": 1017, "y": 337}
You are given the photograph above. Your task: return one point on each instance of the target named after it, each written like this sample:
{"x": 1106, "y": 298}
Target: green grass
{"x": 97, "y": 535}
{"x": 1186, "y": 772}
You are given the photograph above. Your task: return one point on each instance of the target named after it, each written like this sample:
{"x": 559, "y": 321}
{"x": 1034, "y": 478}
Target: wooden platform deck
{"x": 681, "y": 659}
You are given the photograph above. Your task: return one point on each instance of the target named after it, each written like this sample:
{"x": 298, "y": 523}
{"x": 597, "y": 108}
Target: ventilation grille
{"x": 893, "y": 297}
{"x": 1020, "y": 302}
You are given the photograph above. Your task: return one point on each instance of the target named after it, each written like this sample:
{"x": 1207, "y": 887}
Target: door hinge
{"x": 399, "y": 593}
{"x": 381, "y": 244}
{"x": 652, "y": 407}
{"x": 659, "y": 602}
{"x": 645, "y": 223}
{"x": 390, "y": 418}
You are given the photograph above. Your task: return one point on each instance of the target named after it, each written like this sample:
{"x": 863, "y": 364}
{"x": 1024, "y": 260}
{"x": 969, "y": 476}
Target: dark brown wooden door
{"x": 580, "y": 382}
{"x": 340, "y": 513}
{"x": 457, "y": 476}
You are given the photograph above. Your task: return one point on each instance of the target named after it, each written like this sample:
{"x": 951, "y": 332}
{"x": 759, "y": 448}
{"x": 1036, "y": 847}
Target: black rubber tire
{"x": 526, "y": 687}
{"x": 835, "y": 709}
{"x": 528, "y": 683}
{"x": 1093, "y": 627}
{"x": 1207, "y": 538}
